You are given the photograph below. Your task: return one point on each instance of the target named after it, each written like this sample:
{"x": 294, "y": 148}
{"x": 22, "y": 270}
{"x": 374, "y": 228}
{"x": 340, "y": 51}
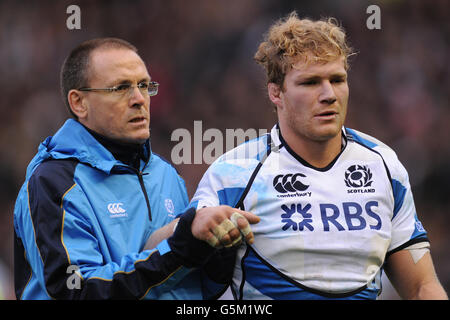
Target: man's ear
{"x": 78, "y": 103}
{"x": 275, "y": 93}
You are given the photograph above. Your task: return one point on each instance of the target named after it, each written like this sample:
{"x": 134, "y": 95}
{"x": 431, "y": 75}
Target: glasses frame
{"x": 152, "y": 89}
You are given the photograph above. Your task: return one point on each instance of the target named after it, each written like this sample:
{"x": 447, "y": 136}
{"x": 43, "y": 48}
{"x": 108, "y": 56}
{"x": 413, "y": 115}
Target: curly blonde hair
{"x": 292, "y": 39}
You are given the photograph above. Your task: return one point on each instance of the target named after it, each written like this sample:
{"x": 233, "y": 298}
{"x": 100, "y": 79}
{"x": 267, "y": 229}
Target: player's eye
{"x": 337, "y": 80}
{"x": 309, "y": 83}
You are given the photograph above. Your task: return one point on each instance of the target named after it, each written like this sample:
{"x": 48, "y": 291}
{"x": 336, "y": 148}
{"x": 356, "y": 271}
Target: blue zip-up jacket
{"x": 82, "y": 218}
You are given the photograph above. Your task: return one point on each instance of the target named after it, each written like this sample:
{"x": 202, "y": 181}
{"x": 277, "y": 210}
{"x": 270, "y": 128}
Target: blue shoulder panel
{"x": 360, "y": 139}
{"x": 230, "y": 196}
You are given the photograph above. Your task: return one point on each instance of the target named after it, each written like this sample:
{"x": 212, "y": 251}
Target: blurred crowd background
{"x": 201, "y": 52}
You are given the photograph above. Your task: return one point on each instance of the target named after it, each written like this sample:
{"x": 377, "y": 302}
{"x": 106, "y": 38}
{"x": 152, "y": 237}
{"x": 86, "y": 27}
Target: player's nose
{"x": 327, "y": 94}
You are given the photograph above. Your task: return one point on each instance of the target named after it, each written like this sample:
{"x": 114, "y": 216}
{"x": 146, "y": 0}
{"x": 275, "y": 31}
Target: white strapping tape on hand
{"x": 223, "y": 228}
{"x": 220, "y": 231}
{"x": 213, "y": 241}
{"x": 226, "y": 226}
{"x": 234, "y": 218}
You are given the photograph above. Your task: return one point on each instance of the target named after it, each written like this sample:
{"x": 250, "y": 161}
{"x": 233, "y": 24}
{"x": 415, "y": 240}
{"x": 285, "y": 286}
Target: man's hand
{"x": 223, "y": 226}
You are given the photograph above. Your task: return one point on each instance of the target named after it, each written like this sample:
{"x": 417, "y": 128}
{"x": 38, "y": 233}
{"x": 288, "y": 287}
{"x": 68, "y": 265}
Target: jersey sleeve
{"x": 206, "y": 194}
{"x": 224, "y": 182}
{"x": 406, "y": 226}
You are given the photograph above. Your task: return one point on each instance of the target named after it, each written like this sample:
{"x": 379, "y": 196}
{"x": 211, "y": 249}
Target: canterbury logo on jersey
{"x": 289, "y": 183}
{"x": 116, "y": 210}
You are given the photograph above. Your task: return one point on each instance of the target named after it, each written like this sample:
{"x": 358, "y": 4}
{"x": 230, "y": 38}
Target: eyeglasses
{"x": 150, "y": 88}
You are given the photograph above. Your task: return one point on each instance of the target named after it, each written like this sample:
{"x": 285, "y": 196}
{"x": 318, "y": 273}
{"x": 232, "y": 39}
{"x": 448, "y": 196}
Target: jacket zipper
{"x": 140, "y": 175}
{"x": 141, "y": 182}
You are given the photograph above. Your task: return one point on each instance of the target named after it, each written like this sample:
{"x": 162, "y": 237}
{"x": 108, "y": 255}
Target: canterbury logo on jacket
{"x": 82, "y": 218}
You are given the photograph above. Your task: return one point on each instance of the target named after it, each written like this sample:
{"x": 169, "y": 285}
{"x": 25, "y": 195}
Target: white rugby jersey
{"x": 324, "y": 233}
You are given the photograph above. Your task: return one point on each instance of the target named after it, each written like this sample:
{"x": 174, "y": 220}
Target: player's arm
{"x": 413, "y": 276}
{"x": 220, "y": 226}
{"x": 214, "y": 225}
{"x": 161, "y": 234}
{"x": 408, "y": 264}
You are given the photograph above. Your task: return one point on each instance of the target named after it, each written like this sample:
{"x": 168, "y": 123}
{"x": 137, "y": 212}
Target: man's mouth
{"x": 138, "y": 119}
{"x": 327, "y": 114}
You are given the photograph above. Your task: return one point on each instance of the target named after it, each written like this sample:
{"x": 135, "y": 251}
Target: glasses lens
{"x": 153, "y": 88}
{"x": 143, "y": 88}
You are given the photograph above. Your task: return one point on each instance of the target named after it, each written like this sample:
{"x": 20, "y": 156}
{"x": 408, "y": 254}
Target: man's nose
{"x": 137, "y": 97}
{"x": 327, "y": 95}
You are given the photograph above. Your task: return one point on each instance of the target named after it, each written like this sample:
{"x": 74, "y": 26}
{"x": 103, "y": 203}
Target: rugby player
{"x": 335, "y": 204}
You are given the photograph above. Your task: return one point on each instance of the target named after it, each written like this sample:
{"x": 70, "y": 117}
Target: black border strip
{"x": 241, "y": 287}
{"x": 407, "y": 244}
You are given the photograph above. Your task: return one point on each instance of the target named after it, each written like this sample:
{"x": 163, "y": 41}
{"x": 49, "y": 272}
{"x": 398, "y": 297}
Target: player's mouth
{"x": 327, "y": 115}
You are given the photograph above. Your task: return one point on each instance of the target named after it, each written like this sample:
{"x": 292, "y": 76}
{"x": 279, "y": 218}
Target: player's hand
{"x": 223, "y": 226}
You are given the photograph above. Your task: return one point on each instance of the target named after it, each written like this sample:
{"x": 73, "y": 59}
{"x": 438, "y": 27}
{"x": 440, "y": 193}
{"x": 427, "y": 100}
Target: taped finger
{"x": 213, "y": 241}
{"x": 234, "y": 218}
{"x": 223, "y": 228}
{"x": 237, "y": 241}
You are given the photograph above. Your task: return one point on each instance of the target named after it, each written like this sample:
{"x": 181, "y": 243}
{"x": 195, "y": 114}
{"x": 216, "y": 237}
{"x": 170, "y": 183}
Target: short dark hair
{"x": 74, "y": 71}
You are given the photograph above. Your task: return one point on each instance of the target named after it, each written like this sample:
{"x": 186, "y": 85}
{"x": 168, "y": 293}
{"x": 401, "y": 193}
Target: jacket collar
{"x": 73, "y": 140}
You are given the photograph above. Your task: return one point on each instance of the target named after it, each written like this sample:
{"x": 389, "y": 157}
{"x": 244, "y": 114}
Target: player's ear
{"x": 78, "y": 103}
{"x": 274, "y": 92}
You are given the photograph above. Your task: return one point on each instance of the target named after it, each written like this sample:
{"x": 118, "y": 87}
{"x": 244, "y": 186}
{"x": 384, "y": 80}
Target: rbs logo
{"x": 329, "y": 214}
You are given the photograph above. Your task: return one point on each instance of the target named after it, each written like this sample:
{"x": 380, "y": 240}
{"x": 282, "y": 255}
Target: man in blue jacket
{"x": 94, "y": 216}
